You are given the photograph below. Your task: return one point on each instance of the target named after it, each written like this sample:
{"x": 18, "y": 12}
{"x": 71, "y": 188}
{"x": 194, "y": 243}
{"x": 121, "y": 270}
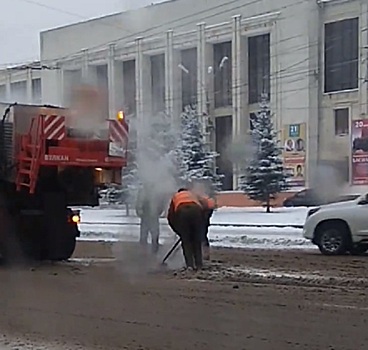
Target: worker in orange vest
{"x": 185, "y": 217}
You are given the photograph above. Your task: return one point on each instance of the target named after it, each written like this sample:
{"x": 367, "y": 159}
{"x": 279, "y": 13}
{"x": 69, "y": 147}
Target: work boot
{"x": 186, "y": 269}
{"x": 206, "y": 252}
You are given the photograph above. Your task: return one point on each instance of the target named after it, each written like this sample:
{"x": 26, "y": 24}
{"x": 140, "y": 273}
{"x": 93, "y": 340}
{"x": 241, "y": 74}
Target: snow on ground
{"x": 258, "y": 216}
{"x": 226, "y": 216}
{"x": 231, "y": 227}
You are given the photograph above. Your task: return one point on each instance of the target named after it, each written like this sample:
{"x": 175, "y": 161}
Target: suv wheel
{"x": 358, "y": 249}
{"x": 333, "y": 240}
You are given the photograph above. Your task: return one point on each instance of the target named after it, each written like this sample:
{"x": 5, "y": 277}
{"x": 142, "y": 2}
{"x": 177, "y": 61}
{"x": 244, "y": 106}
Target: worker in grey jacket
{"x": 150, "y": 205}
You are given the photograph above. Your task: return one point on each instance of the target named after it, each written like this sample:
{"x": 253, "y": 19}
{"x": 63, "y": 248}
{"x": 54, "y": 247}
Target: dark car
{"x": 312, "y": 197}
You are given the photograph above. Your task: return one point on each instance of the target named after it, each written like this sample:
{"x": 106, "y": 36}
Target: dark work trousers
{"x": 190, "y": 229}
{"x": 150, "y": 224}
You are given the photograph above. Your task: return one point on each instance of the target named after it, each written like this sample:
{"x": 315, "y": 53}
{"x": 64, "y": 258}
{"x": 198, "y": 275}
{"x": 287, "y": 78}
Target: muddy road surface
{"x": 276, "y": 300}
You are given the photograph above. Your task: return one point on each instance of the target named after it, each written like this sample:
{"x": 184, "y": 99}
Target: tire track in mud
{"x": 300, "y": 268}
{"x": 242, "y": 274}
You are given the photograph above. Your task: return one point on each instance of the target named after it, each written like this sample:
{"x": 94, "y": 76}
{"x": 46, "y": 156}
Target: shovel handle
{"x": 171, "y": 250}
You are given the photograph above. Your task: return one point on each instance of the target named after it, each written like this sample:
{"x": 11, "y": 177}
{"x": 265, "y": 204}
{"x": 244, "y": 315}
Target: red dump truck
{"x": 48, "y": 163}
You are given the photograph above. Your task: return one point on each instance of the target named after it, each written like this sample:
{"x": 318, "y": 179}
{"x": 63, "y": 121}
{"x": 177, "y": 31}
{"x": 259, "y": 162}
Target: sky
{"x": 22, "y": 21}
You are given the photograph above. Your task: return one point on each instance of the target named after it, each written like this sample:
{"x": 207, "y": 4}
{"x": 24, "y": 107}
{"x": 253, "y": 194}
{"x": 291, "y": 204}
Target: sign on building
{"x": 359, "y": 150}
{"x": 294, "y": 153}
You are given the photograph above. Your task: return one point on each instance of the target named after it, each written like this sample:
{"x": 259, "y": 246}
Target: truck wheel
{"x": 10, "y": 246}
{"x": 359, "y": 249}
{"x": 68, "y": 244}
{"x": 333, "y": 239}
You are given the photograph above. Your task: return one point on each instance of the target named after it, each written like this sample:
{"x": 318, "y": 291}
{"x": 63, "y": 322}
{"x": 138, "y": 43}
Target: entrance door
{"x": 224, "y": 132}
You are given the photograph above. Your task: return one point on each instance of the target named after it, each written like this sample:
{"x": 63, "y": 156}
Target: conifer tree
{"x": 265, "y": 175}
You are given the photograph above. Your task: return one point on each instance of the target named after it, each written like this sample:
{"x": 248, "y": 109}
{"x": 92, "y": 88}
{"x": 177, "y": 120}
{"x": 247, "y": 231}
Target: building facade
{"x": 309, "y": 57}
{"x": 21, "y": 84}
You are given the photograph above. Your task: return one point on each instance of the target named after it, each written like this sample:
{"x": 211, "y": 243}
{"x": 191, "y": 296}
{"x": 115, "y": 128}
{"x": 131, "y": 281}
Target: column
{"x": 172, "y": 78}
{"x": 52, "y": 92}
{"x": 210, "y": 77}
{"x": 29, "y": 86}
{"x": 176, "y": 82}
{"x": 169, "y": 74}
{"x": 201, "y": 70}
{"x": 139, "y": 78}
{"x": 111, "y": 81}
{"x": 85, "y": 66}
{"x": 236, "y": 86}
{"x": 210, "y": 95}
{"x": 363, "y": 86}
{"x": 89, "y": 74}
{"x": 61, "y": 86}
{"x": 275, "y": 81}
{"x": 8, "y": 86}
{"x": 143, "y": 81}
{"x": 115, "y": 82}
{"x": 143, "y": 87}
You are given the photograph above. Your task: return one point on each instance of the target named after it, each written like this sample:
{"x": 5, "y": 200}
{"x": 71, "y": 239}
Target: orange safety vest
{"x": 184, "y": 197}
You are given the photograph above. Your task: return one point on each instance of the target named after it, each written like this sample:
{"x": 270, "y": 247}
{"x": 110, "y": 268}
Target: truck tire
{"x": 333, "y": 239}
{"x": 67, "y": 244}
{"x": 10, "y": 247}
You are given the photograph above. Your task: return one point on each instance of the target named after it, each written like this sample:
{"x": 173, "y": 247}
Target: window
{"x": 103, "y": 84}
{"x": 224, "y": 165}
{"x": 252, "y": 118}
{"x": 341, "y": 121}
{"x": 258, "y": 67}
{"x": 72, "y": 78}
{"x": 222, "y": 74}
{"x": 129, "y": 87}
{"x": 158, "y": 83}
{"x": 189, "y": 76}
{"x": 36, "y": 91}
{"x": 19, "y": 92}
{"x": 341, "y": 55}
{"x": 2, "y": 93}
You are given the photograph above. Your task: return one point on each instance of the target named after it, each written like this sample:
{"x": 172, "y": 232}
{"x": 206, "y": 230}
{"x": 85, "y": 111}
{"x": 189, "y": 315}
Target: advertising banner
{"x": 359, "y": 150}
{"x": 294, "y": 153}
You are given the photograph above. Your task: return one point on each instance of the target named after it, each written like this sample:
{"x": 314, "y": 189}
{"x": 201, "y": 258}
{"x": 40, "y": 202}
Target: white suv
{"x": 339, "y": 228}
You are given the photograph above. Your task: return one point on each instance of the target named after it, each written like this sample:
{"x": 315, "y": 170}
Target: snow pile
{"x": 257, "y": 216}
{"x": 226, "y": 216}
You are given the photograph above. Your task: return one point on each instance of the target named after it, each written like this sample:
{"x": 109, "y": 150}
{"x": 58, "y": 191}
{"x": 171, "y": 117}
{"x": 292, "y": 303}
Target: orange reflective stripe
{"x": 184, "y": 197}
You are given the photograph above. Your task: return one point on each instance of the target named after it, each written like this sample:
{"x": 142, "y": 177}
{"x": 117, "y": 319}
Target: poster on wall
{"x": 359, "y": 150}
{"x": 294, "y": 153}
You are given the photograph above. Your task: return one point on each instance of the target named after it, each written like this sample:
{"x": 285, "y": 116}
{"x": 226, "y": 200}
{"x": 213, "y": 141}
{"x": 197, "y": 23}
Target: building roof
{"x": 108, "y": 17}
